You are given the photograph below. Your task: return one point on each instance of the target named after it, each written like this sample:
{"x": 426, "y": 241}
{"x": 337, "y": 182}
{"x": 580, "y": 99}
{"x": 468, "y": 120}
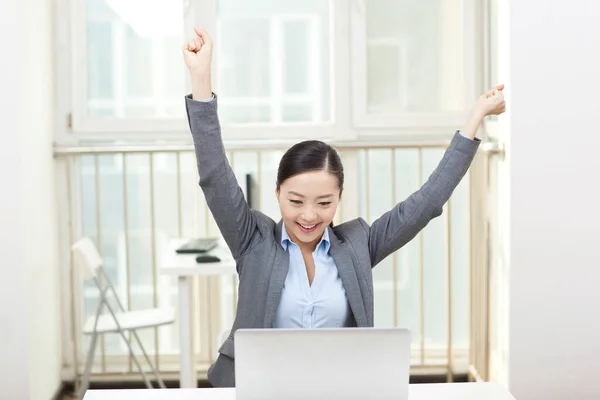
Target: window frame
{"x": 72, "y": 129}
{"x": 422, "y": 122}
{"x": 81, "y": 127}
{"x": 88, "y": 127}
{"x": 349, "y": 120}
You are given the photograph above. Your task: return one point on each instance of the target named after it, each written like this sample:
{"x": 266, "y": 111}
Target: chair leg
{"x": 161, "y": 383}
{"x": 88, "y": 367}
{"x": 135, "y": 360}
{"x": 122, "y": 333}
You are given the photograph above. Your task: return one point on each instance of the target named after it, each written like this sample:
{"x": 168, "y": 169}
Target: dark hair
{"x": 310, "y": 155}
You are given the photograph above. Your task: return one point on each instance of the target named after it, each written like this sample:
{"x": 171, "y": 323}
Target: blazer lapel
{"x": 343, "y": 261}
{"x": 281, "y": 266}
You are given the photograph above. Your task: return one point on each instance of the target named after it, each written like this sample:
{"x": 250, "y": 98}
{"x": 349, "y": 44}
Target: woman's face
{"x": 308, "y": 202}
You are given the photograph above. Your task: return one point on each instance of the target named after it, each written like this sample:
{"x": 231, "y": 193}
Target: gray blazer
{"x": 254, "y": 239}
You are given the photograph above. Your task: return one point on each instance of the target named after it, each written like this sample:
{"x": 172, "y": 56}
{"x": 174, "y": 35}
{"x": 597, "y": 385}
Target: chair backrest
{"x": 86, "y": 257}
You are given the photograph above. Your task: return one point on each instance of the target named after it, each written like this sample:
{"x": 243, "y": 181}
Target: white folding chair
{"x": 119, "y": 321}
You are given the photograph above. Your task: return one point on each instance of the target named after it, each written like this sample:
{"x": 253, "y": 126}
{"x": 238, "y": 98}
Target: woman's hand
{"x": 490, "y": 103}
{"x": 197, "y": 54}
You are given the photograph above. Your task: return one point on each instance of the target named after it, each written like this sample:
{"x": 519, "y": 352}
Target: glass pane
{"x": 435, "y": 284}
{"x": 122, "y": 198}
{"x": 244, "y": 64}
{"x": 134, "y": 63}
{"x": 243, "y": 113}
{"x": 402, "y": 298}
{"x": 381, "y": 199}
{"x": 296, "y": 53}
{"x": 287, "y": 58}
{"x": 297, "y": 112}
{"x": 460, "y": 262}
{"x": 414, "y": 55}
{"x": 409, "y": 305}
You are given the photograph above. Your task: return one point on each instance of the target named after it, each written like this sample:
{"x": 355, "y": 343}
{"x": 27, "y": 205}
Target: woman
{"x": 303, "y": 272}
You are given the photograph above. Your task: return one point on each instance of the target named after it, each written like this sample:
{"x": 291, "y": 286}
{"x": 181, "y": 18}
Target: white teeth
{"x": 308, "y": 226}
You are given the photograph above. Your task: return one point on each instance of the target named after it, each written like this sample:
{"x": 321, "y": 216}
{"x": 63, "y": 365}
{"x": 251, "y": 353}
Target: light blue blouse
{"x": 321, "y": 305}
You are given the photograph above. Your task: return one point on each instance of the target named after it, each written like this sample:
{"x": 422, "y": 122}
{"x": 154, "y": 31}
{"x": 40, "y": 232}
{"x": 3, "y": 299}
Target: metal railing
{"x": 131, "y": 199}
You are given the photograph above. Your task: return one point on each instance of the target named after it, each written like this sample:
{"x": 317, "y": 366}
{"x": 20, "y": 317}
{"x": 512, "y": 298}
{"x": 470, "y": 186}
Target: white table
{"x": 185, "y": 267}
{"x": 436, "y": 391}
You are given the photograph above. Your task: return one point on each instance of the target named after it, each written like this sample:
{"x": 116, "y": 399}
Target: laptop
{"x": 332, "y": 364}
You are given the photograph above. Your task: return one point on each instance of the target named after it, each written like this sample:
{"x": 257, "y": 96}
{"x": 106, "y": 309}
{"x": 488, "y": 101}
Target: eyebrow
{"x": 318, "y": 197}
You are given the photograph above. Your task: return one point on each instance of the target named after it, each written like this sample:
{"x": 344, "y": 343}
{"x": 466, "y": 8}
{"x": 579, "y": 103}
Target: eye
{"x": 295, "y": 202}
{"x": 324, "y": 203}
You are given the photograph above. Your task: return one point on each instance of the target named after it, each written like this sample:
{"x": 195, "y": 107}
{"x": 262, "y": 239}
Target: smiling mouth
{"x": 308, "y": 228}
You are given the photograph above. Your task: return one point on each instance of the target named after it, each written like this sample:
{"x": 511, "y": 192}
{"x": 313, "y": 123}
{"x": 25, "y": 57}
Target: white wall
{"x": 500, "y": 212}
{"x": 13, "y": 320}
{"x": 30, "y": 359}
{"x": 555, "y": 193}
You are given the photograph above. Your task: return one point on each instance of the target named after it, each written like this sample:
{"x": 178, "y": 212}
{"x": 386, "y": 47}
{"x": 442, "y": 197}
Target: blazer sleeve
{"x": 401, "y": 224}
{"x": 224, "y": 197}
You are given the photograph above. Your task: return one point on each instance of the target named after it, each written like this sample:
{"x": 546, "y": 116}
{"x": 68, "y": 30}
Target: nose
{"x": 309, "y": 215}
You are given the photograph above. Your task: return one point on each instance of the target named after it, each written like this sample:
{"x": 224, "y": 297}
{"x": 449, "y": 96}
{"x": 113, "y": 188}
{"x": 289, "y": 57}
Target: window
{"x": 411, "y": 62}
{"x": 127, "y": 65}
{"x": 316, "y": 68}
{"x": 284, "y": 70}
{"x": 273, "y": 61}
{"x": 271, "y": 65}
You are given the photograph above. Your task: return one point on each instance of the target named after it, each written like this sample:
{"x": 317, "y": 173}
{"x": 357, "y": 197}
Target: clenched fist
{"x": 492, "y": 102}
{"x": 197, "y": 54}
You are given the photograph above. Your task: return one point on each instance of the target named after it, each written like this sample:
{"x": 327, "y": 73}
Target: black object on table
{"x": 200, "y": 245}
{"x": 207, "y": 258}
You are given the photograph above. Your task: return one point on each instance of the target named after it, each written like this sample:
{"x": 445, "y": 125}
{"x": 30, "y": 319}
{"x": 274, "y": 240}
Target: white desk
{"x": 441, "y": 391}
{"x": 185, "y": 267}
